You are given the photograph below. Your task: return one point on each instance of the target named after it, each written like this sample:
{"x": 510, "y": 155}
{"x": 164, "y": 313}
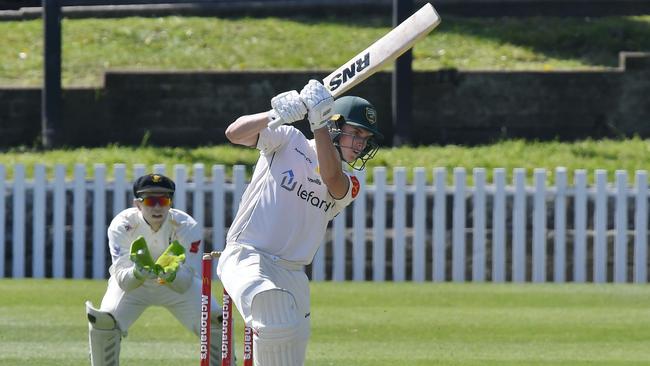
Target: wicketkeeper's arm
{"x": 123, "y": 267}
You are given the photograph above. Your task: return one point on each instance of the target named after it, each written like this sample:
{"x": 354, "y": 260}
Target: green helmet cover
{"x": 357, "y": 112}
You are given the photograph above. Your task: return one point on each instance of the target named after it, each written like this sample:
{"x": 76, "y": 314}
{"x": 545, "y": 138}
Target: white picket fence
{"x": 399, "y": 231}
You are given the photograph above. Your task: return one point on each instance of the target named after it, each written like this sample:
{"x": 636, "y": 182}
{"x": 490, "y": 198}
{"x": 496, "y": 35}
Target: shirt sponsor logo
{"x": 205, "y": 313}
{"x": 194, "y": 247}
{"x": 303, "y": 155}
{"x": 355, "y": 186}
{"x": 225, "y": 333}
{"x": 314, "y": 180}
{"x": 287, "y": 181}
{"x": 289, "y": 184}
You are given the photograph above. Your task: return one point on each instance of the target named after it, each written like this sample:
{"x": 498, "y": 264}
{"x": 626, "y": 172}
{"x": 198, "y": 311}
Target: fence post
{"x": 499, "y": 226}
{"x": 160, "y": 168}
{"x": 18, "y": 237}
{"x": 641, "y": 228}
{"x": 379, "y": 225}
{"x": 580, "y": 227}
{"x": 218, "y": 207}
{"x": 519, "y": 227}
{"x": 99, "y": 222}
{"x": 79, "y": 222}
{"x": 38, "y": 223}
{"x": 478, "y": 237}
{"x": 559, "y": 252}
{"x": 458, "y": 232}
{"x": 59, "y": 220}
{"x": 539, "y": 226}
{"x": 440, "y": 225}
{"x": 418, "y": 252}
{"x": 399, "y": 224}
{"x": 180, "y": 178}
{"x": 138, "y": 171}
{"x": 198, "y": 199}
{"x": 620, "y": 217}
{"x": 119, "y": 188}
{"x": 600, "y": 228}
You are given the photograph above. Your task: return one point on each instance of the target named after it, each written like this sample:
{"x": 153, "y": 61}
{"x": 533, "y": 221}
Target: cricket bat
{"x": 384, "y": 50}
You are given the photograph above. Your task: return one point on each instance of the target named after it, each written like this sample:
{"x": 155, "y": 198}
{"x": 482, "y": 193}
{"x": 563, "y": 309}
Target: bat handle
{"x": 275, "y": 120}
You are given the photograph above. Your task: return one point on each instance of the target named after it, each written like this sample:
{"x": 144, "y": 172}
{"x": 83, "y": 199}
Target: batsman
{"x": 297, "y": 187}
{"x": 156, "y": 261}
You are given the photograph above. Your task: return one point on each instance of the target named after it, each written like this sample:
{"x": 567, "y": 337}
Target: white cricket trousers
{"x": 127, "y": 307}
{"x": 245, "y": 272}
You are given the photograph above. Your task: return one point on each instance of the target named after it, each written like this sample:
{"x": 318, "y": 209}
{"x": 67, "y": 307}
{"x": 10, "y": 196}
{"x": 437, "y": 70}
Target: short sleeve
{"x": 353, "y": 192}
{"x": 271, "y": 140}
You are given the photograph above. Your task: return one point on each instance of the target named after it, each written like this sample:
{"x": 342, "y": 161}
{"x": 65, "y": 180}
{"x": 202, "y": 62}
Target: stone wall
{"x": 450, "y": 106}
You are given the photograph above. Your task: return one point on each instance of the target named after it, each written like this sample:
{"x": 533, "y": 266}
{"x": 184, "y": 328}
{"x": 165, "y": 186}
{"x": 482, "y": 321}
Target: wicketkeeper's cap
{"x": 155, "y": 183}
{"x": 357, "y": 112}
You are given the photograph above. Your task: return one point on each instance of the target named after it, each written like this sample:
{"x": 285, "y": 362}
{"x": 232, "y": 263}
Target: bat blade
{"x": 384, "y": 50}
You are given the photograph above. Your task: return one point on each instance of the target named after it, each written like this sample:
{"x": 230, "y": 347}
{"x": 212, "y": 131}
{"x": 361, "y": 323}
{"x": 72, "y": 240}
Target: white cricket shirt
{"x": 129, "y": 224}
{"x": 286, "y": 208}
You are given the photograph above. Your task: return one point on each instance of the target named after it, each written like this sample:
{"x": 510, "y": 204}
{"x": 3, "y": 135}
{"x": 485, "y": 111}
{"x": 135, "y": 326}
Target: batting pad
{"x": 280, "y": 333}
{"x": 104, "y": 336}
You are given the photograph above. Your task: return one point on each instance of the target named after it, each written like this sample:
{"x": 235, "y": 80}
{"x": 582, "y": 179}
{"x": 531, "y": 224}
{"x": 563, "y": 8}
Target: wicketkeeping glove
{"x": 169, "y": 261}
{"x": 145, "y": 268}
{"x": 319, "y": 102}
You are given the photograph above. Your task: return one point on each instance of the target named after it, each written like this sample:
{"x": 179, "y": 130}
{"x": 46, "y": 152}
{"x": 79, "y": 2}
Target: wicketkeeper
{"x": 298, "y": 186}
{"x": 156, "y": 252}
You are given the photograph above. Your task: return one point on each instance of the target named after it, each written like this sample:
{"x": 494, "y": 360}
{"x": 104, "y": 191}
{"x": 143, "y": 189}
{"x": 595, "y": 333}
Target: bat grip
{"x": 275, "y": 120}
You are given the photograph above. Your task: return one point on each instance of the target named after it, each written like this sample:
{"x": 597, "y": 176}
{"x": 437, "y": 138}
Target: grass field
{"x": 91, "y": 46}
{"x": 42, "y": 322}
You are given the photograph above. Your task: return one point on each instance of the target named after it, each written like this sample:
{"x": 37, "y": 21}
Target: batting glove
{"x": 319, "y": 102}
{"x": 170, "y": 261}
{"x": 144, "y": 267}
{"x": 288, "y": 106}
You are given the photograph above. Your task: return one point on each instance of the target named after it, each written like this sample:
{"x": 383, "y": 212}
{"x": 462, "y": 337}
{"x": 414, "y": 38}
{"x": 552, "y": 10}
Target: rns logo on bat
{"x": 349, "y": 72}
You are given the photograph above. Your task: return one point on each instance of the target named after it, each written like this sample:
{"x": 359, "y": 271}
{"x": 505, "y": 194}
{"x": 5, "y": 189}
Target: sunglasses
{"x": 152, "y": 201}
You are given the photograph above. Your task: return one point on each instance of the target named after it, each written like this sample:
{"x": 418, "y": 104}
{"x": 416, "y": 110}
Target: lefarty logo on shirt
{"x": 289, "y": 184}
{"x": 287, "y": 180}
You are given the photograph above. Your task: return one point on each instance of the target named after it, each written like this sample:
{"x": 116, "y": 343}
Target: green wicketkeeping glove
{"x": 170, "y": 260}
{"x": 145, "y": 268}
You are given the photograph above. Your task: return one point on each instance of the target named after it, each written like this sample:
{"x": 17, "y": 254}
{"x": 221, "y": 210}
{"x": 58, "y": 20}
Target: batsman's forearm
{"x": 245, "y": 130}
{"x": 329, "y": 163}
